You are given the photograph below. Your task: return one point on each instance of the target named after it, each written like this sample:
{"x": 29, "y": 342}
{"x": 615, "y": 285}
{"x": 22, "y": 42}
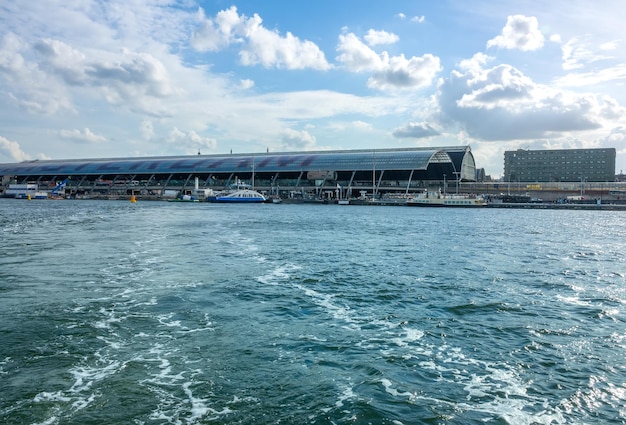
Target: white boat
{"x": 25, "y": 191}
{"x": 438, "y": 199}
{"x": 240, "y": 196}
{"x": 184, "y": 198}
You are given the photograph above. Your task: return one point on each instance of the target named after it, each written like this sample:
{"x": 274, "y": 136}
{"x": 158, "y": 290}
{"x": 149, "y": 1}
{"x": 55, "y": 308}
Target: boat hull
{"x": 450, "y": 201}
{"x": 244, "y": 196}
{"x": 238, "y": 201}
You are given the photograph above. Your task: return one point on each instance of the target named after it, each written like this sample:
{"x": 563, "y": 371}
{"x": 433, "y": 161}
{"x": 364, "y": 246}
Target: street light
{"x": 458, "y": 178}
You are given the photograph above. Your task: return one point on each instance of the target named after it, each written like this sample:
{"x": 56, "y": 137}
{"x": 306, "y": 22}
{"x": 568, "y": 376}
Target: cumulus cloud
{"x": 375, "y": 38}
{"x": 11, "y": 60}
{"x": 356, "y": 56}
{"x": 296, "y": 140}
{"x": 62, "y": 59}
{"x": 133, "y": 74}
{"x": 85, "y": 135}
{"x": 520, "y": 32}
{"x": 190, "y": 141}
{"x": 217, "y": 33}
{"x": 418, "y": 19}
{"x": 402, "y": 73}
{"x": 13, "y": 149}
{"x": 501, "y": 103}
{"x": 259, "y": 45}
{"x": 415, "y": 130}
{"x": 43, "y": 83}
{"x": 388, "y": 73}
{"x": 29, "y": 85}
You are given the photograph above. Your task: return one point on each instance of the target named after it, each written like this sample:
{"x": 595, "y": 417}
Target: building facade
{"x": 560, "y": 165}
{"x": 375, "y": 172}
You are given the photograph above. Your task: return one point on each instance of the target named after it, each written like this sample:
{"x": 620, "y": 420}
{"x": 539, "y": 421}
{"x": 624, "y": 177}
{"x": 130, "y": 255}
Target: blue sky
{"x": 87, "y": 79}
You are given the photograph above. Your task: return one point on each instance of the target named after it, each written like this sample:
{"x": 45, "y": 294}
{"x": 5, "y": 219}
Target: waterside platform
{"x": 557, "y": 206}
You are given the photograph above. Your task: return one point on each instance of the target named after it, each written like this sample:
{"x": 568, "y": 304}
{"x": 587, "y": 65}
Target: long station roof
{"x": 383, "y": 159}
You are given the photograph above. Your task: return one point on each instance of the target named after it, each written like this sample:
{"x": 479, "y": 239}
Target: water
{"x": 170, "y": 313}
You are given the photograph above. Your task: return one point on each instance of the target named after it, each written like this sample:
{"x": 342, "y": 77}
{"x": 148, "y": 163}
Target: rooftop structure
{"x": 374, "y": 170}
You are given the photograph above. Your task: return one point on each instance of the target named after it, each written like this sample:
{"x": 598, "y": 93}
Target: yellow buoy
{"x": 133, "y": 199}
{"x": 28, "y": 196}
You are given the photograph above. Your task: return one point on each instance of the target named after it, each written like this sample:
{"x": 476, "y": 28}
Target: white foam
{"x": 278, "y": 274}
{"x": 410, "y": 335}
{"x": 347, "y": 393}
{"x": 47, "y": 396}
{"x": 86, "y": 376}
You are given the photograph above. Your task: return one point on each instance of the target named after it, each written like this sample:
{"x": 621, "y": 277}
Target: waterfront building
{"x": 320, "y": 173}
{"x": 560, "y": 165}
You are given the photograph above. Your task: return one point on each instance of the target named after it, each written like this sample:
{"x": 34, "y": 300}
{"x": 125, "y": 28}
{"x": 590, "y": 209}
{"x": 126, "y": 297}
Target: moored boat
{"x": 184, "y": 198}
{"x": 438, "y": 199}
{"x": 25, "y": 191}
{"x": 240, "y": 196}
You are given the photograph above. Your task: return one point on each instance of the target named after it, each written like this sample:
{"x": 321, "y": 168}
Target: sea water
{"x": 197, "y": 313}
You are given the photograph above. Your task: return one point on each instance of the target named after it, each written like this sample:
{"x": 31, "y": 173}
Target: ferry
{"x": 25, "y": 191}
{"x": 238, "y": 192}
{"x": 438, "y": 199}
{"x": 240, "y": 196}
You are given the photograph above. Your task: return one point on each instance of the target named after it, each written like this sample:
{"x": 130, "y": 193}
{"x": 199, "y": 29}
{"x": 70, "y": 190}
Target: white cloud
{"x": 415, "y": 130}
{"x": 586, "y": 79}
{"x": 357, "y": 125}
{"x": 501, "y": 103}
{"x": 259, "y": 46}
{"x": 218, "y": 33}
{"x": 294, "y": 140}
{"x": 11, "y": 60}
{"x": 190, "y": 142}
{"x": 14, "y": 150}
{"x": 400, "y": 15}
{"x": 132, "y": 75}
{"x": 418, "y": 19}
{"x": 356, "y": 56}
{"x": 246, "y": 84}
{"x": 579, "y": 52}
{"x": 520, "y": 32}
{"x": 402, "y": 73}
{"x": 496, "y": 88}
{"x": 556, "y": 38}
{"x": 376, "y": 38}
{"x": 61, "y": 58}
{"x": 389, "y": 73}
{"x": 29, "y": 86}
{"x": 610, "y": 45}
{"x": 82, "y": 136}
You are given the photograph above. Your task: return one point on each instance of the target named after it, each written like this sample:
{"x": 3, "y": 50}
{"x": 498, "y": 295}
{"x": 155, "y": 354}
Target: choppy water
{"x": 165, "y": 313}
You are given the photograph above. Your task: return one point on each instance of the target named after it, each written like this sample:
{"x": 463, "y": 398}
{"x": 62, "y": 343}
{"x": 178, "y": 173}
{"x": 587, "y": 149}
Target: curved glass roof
{"x": 389, "y": 159}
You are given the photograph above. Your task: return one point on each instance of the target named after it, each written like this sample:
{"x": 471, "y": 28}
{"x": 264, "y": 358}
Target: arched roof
{"x": 384, "y": 159}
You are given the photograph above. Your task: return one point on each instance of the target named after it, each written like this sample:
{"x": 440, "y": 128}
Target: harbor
{"x": 417, "y": 177}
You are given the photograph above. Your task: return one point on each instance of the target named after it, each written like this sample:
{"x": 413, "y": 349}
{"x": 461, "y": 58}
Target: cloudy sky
{"x": 119, "y": 78}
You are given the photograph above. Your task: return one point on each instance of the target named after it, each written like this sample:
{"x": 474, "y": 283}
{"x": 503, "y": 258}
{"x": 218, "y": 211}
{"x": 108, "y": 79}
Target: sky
{"x": 134, "y": 78}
